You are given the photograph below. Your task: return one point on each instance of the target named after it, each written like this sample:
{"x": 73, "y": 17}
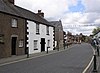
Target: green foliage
{"x": 96, "y": 30}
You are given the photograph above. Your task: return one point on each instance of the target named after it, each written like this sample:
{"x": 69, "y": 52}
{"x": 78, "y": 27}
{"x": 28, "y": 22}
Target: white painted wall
{"x": 98, "y": 35}
{"x": 33, "y": 36}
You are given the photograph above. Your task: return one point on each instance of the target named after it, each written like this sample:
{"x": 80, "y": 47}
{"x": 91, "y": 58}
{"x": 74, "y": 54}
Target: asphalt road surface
{"x": 73, "y": 60}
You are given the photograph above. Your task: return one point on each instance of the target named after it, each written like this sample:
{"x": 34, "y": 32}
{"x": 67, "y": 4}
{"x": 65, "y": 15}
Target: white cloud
{"x": 72, "y": 2}
{"x": 91, "y": 5}
{"x": 89, "y": 18}
{"x": 80, "y": 22}
{"x": 51, "y": 8}
{"x": 75, "y": 22}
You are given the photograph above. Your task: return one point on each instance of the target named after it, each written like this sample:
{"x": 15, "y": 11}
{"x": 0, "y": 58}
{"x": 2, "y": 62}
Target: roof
{"x": 57, "y": 24}
{"x": 9, "y": 8}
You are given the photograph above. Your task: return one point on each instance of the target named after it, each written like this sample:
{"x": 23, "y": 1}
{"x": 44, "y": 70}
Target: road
{"x": 73, "y": 60}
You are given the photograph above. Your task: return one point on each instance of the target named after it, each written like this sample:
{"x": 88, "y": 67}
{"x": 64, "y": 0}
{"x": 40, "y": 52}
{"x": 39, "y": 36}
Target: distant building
{"x": 59, "y": 34}
{"x": 97, "y": 35}
{"x": 74, "y": 38}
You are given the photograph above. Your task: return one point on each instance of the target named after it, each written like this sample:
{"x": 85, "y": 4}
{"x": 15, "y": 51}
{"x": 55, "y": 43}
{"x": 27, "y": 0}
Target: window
{"x": 21, "y": 43}
{"x": 48, "y": 45}
{"x": 37, "y": 28}
{"x": 35, "y": 44}
{"x": 1, "y": 39}
{"x": 14, "y": 23}
{"x": 47, "y": 30}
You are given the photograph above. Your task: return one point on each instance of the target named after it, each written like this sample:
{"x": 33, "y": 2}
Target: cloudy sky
{"x": 77, "y": 16}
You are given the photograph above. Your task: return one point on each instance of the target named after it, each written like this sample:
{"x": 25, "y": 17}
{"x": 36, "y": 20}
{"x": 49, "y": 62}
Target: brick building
{"x": 13, "y": 28}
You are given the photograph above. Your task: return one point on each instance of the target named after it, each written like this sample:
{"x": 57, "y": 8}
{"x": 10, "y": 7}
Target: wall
{"x": 33, "y": 36}
{"x": 8, "y": 31}
{"x": 59, "y": 37}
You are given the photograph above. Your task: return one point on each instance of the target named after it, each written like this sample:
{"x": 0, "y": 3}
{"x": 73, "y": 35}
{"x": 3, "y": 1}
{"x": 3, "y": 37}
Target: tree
{"x": 96, "y": 30}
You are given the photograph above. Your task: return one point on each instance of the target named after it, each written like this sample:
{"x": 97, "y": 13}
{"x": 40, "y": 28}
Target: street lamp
{"x": 27, "y": 52}
{"x": 58, "y": 40}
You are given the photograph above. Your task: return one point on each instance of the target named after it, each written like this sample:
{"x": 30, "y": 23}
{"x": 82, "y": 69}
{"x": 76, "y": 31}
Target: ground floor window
{"x": 35, "y": 44}
{"x": 1, "y": 38}
{"x": 21, "y": 43}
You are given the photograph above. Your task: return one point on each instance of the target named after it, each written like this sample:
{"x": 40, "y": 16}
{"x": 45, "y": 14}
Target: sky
{"x": 77, "y": 16}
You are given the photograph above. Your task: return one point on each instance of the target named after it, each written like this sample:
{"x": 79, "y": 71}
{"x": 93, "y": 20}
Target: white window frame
{"x": 14, "y": 23}
{"x": 37, "y": 28}
{"x": 35, "y": 44}
{"x": 47, "y": 28}
{"x": 21, "y": 43}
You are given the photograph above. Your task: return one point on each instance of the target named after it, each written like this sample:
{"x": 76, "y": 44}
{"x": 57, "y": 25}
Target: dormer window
{"x": 14, "y": 23}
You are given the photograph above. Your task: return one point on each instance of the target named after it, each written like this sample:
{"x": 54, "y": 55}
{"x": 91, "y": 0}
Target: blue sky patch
{"x": 78, "y": 8}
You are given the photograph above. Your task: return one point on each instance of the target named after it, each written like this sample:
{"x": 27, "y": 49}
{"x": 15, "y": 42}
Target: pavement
{"x": 97, "y": 64}
{"x": 91, "y": 68}
{"x": 13, "y": 59}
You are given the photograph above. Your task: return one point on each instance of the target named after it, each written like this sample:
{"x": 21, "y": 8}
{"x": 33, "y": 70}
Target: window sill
{"x": 48, "y": 34}
{"x": 1, "y": 42}
{"x": 48, "y": 47}
{"x": 38, "y": 33}
{"x": 35, "y": 49}
{"x": 14, "y": 27}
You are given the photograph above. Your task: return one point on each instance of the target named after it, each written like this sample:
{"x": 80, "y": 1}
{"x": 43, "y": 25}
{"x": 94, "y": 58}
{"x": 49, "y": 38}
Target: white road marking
{"x": 90, "y": 61}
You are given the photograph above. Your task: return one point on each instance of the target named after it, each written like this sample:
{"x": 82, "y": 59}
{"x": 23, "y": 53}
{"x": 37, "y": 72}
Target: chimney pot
{"x": 40, "y": 13}
{"x": 12, "y": 1}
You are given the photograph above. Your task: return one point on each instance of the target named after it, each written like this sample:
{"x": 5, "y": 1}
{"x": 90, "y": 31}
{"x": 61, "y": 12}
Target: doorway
{"x": 13, "y": 45}
{"x": 42, "y": 44}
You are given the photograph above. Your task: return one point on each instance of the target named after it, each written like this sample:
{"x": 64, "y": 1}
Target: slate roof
{"x": 57, "y": 24}
{"x": 6, "y": 7}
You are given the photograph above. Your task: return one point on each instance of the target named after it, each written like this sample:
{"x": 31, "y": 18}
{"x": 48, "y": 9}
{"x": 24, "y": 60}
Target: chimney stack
{"x": 12, "y": 1}
{"x": 40, "y": 13}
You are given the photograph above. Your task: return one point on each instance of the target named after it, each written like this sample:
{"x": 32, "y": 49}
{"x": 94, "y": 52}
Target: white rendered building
{"x": 40, "y": 37}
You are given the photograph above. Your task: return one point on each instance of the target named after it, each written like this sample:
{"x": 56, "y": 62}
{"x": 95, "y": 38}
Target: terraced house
{"x": 22, "y": 30}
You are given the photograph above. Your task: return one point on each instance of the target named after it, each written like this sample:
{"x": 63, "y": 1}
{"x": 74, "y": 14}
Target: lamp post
{"x": 95, "y": 62}
{"x": 95, "y": 65}
{"x": 58, "y": 40}
{"x": 27, "y": 52}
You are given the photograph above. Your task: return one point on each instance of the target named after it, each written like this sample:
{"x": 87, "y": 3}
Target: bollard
{"x": 98, "y": 51}
{"x": 27, "y": 53}
{"x": 95, "y": 65}
{"x": 47, "y": 50}
{"x": 58, "y": 49}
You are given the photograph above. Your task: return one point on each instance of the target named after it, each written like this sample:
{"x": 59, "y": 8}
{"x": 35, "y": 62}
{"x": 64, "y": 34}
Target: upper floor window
{"x": 14, "y": 23}
{"x": 37, "y": 28}
{"x": 47, "y": 30}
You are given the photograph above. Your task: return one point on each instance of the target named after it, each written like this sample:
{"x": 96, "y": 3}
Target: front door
{"x": 13, "y": 45}
{"x": 42, "y": 44}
